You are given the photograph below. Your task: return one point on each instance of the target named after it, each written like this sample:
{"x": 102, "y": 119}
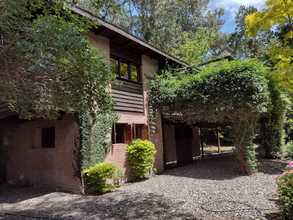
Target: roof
{"x": 146, "y": 47}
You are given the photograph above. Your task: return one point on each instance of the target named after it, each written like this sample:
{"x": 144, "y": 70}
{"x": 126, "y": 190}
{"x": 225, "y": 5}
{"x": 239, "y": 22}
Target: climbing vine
{"x": 234, "y": 92}
{"x": 51, "y": 68}
{"x": 272, "y": 122}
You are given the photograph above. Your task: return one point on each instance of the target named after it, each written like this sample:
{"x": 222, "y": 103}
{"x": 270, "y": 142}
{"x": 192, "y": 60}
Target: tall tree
{"x": 194, "y": 48}
{"x": 243, "y": 46}
{"x": 161, "y": 22}
{"x": 277, "y": 17}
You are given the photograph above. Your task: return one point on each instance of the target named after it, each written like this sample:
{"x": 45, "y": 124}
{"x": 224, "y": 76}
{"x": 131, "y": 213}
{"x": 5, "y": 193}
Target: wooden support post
{"x": 201, "y": 143}
{"x": 219, "y": 141}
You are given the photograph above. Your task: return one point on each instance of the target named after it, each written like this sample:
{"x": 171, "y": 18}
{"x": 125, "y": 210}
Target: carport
{"x": 184, "y": 142}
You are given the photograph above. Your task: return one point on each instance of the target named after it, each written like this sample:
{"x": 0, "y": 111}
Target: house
{"x": 44, "y": 152}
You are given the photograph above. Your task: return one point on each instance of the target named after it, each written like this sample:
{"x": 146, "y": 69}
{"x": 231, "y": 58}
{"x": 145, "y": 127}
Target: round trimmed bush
{"x": 285, "y": 190}
{"x": 101, "y": 176}
{"x": 141, "y": 157}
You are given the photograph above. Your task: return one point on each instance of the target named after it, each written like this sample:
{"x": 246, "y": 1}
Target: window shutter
{"x": 128, "y": 134}
{"x": 145, "y": 132}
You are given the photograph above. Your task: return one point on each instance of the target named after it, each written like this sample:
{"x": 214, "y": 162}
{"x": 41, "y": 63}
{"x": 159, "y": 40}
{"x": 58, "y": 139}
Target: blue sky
{"x": 231, "y": 7}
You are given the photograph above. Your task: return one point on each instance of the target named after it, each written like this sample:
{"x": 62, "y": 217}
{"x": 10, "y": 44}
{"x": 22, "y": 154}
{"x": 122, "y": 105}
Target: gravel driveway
{"x": 209, "y": 189}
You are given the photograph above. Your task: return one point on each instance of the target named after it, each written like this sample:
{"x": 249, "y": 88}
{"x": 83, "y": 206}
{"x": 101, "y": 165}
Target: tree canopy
{"x": 48, "y": 63}
{"x": 223, "y": 92}
{"x": 232, "y": 92}
{"x": 277, "y": 17}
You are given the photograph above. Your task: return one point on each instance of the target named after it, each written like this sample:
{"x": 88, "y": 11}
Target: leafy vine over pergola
{"x": 231, "y": 92}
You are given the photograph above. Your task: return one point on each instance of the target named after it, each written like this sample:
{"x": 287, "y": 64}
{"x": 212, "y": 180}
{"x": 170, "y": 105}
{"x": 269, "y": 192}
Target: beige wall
{"x": 117, "y": 154}
{"x": 52, "y": 167}
{"x": 100, "y": 42}
{"x": 149, "y": 68}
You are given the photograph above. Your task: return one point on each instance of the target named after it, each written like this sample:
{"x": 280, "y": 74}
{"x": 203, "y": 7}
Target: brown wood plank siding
{"x": 128, "y": 96}
{"x": 126, "y": 86}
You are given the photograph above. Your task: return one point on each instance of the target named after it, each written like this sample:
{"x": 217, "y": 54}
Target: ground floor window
{"x": 125, "y": 133}
{"x": 44, "y": 137}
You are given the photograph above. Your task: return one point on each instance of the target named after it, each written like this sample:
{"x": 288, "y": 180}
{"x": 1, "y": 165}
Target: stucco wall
{"x": 117, "y": 154}
{"x": 52, "y": 167}
{"x": 100, "y": 42}
{"x": 149, "y": 68}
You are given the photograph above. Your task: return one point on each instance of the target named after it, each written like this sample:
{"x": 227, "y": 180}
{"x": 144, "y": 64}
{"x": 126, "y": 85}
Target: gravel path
{"x": 209, "y": 189}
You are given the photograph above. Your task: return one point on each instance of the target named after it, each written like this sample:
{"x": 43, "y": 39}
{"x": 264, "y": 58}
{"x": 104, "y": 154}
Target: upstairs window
{"x": 126, "y": 69}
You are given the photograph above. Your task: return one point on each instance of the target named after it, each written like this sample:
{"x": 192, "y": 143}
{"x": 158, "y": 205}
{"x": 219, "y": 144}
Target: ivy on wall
{"x": 234, "y": 92}
{"x": 95, "y": 137}
{"x": 51, "y": 68}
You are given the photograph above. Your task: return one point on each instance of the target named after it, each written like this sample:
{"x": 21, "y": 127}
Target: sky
{"x": 231, "y": 7}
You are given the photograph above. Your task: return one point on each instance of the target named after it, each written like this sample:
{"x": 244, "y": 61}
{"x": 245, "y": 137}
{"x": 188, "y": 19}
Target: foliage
{"x": 159, "y": 22}
{"x": 141, "y": 156}
{"x": 243, "y": 134}
{"x": 285, "y": 190}
{"x": 114, "y": 11}
{"x": 194, "y": 47}
{"x": 272, "y": 123}
{"x": 289, "y": 123}
{"x": 217, "y": 93}
{"x": 94, "y": 136}
{"x": 243, "y": 46}
{"x": 288, "y": 148}
{"x": 99, "y": 176}
{"x": 50, "y": 68}
{"x": 277, "y": 17}
{"x": 234, "y": 92}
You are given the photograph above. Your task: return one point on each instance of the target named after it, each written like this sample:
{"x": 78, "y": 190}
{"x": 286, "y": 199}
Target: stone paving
{"x": 208, "y": 189}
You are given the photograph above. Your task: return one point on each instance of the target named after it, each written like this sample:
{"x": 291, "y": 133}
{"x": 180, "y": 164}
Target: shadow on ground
{"x": 215, "y": 167}
{"x": 223, "y": 167}
{"x": 272, "y": 167}
{"x": 13, "y": 194}
{"x": 117, "y": 205}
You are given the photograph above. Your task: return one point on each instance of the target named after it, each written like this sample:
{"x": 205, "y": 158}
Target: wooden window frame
{"x": 129, "y": 63}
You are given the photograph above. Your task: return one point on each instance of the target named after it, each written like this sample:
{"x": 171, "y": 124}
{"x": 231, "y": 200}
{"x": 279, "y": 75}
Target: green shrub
{"x": 102, "y": 177}
{"x": 285, "y": 190}
{"x": 141, "y": 156}
{"x": 289, "y": 150}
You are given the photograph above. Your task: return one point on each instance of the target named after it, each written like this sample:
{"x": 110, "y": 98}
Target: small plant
{"x": 141, "y": 156}
{"x": 285, "y": 190}
{"x": 102, "y": 177}
{"x": 289, "y": 150}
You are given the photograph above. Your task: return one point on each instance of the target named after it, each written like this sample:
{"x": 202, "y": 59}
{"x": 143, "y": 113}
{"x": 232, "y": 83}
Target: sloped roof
{"x": 113, "y": 29}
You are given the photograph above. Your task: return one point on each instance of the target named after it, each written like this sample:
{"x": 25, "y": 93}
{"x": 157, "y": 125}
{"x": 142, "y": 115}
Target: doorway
{"x": 183, "y": 137}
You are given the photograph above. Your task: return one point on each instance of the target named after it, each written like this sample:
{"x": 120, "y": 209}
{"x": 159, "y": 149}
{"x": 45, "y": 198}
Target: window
{"x": 48, "y": 137}
{"x": 121, "y": 134}
{"x": 134, "y": 73}
{"x": 44, "y": 138}
{"x": 125, "y": 69}
{"x": 139, "y": 131}
{"x": 125, "y": 133}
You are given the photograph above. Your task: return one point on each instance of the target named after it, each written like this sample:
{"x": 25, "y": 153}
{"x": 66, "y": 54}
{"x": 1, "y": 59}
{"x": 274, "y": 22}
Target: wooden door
{"x": 183, "y": 136}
